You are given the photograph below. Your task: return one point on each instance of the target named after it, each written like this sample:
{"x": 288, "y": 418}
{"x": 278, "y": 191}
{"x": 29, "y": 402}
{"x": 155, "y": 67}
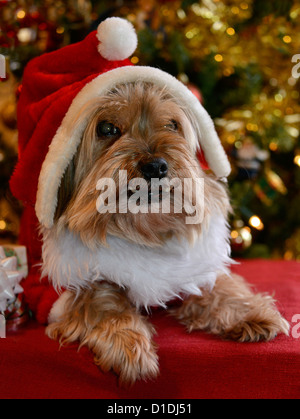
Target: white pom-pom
{"x": 118, "y": 39}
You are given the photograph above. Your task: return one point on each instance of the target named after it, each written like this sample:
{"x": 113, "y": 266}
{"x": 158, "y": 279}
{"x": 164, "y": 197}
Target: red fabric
{"x": 50, "y": 84}
{"x": 39, "y": 294}
{"x": 192, "y": 366}
{"x": 202, "y": 160}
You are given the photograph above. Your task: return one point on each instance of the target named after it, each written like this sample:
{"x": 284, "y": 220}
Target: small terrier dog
{"x": 126, "y": 261}
{"x": 129, "y": 219}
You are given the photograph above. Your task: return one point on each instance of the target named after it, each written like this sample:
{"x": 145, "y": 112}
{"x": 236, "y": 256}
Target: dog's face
{"x": 141, "y": 130}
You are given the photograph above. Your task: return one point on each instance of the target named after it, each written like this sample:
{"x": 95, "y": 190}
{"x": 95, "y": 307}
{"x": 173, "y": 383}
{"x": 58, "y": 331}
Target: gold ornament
{"x": 292, "y": 247}
{"x": 241, "y": 237}
{"x": 9, "y": 115}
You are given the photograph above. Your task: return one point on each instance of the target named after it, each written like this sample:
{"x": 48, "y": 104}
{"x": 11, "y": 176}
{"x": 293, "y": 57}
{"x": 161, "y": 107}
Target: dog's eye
{"x": 173, "y": 126}
{"x": 108, "y": 130}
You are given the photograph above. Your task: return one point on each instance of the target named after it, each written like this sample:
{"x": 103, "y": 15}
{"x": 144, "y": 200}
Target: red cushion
{"x": 192, "y": 366}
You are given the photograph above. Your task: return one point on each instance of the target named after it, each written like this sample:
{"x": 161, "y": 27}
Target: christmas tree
{"x": 240, "y": 57}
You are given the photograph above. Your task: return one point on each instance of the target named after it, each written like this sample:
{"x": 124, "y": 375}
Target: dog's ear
{"x": 66, "y": 190}
{"x": 205, "y": 140}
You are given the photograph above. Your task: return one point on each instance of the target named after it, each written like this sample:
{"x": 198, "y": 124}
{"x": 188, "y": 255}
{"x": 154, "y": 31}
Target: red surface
{"x": 192, "y": 366}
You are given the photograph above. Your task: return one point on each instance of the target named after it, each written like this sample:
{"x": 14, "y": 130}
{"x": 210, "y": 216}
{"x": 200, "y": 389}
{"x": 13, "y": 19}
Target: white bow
{"x": 10, "y": 280}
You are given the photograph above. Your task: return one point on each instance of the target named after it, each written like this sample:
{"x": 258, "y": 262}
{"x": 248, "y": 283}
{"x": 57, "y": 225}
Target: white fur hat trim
{"x": 118, "y": 39}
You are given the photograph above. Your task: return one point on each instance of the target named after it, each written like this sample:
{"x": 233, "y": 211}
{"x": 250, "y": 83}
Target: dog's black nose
{"x": 156, "y": 169}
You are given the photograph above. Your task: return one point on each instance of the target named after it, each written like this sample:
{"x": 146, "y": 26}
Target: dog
{"x": 125, "y": 262}
{"x": 128, "y": 217}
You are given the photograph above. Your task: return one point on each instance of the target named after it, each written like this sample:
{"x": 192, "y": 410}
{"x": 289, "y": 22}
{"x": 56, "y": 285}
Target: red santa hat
{"x": 57, "y": 86}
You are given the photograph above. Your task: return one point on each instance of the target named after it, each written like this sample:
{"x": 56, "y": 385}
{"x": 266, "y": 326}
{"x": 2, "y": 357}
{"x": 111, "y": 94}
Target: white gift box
{"x": 13, "y": 268}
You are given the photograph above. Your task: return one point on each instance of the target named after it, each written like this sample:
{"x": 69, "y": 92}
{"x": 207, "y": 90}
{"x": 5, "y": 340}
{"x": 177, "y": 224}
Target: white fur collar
{"x": 151, "y": 276}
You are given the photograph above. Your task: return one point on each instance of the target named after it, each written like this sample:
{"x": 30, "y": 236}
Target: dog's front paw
{"x": 258, "y": 326}
{"x": 127, "y": 349}
{"x": 234, "y": 312}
